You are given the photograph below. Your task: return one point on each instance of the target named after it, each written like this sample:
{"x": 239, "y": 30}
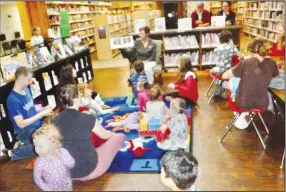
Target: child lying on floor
{"x": 176, "y": 122}
{"x": 95, "y": 104}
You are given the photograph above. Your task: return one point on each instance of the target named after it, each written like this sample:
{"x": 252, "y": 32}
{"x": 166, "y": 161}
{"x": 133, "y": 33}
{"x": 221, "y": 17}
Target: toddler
{"x": 177, "y": 124}
{"x": 155, "y": 107}
{"x": 37, "y": 39}
{"x": 52, "y": 167}
{"x": 225, "y": 52}
{"x": 143, "y": 88}
{"x": 179, "y": 171}
{"x": 95, "y": 104}
{"x": 139, "y": 75}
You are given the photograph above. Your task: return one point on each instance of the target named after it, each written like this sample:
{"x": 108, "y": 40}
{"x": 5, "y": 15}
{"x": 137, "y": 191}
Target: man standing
{"x": 201, "y": 17}
{"x": 23, "y": 114}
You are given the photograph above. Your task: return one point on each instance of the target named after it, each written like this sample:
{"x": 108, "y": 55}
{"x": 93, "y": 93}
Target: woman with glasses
{"x": 228, "y": 13}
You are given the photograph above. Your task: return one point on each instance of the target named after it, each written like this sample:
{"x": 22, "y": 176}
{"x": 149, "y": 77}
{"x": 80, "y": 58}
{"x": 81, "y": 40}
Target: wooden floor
{"x": 239, "y": 163}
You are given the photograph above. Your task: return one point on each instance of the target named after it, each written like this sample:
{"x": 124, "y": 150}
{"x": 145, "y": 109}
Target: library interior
{"x": 214, "y": 71}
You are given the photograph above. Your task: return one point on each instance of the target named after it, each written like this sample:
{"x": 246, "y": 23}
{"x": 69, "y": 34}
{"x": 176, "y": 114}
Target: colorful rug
{"x": 128, "y": 160}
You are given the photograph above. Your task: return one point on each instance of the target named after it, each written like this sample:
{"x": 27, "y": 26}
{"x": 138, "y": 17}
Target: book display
{"x": 171, "y": 60}
{"x": 181, "y": 42}
{"x": 262, "y": 19}
{"x": 43, "y": 85}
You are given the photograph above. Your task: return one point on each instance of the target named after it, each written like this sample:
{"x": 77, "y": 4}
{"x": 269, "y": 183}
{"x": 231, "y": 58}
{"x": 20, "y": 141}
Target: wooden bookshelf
{"x": 81, "y": 15}
{"x": 262, "y": 19}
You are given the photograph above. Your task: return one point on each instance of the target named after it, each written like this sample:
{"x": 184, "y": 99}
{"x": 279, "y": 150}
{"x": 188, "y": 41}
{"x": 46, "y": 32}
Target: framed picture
{"x": 101, "y": 32}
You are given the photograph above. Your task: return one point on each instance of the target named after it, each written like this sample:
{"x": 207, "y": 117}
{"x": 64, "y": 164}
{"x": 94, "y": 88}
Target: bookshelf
{"x": 262, "y": 19}
{"x": 215, "y": 7}
{"x": 147, "y": 5}
{"x": 197, "y": 43}
{"x": 81, "y": 16}
{"x": 46, "y": 76}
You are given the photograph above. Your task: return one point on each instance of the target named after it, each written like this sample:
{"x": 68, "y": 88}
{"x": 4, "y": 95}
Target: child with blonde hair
{"x": 95, "y": 104}
{"x": 176, "y": 122}
{"x": 155, "y": 107}
{"x": 37, "y": 39}
{"x": 52, "y": 167}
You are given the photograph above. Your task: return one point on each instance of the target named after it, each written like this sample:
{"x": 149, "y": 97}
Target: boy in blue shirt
{"x": 23, "y": 114}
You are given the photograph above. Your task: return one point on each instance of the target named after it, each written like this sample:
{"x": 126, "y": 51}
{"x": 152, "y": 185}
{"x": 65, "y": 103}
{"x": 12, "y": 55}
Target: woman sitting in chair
{"x": 145, "y": 50}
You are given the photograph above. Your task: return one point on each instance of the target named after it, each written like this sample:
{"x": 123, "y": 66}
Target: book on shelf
{"x": 218, "y": 21}
{"x": 138, "y": 23}
{"x": 47, "y": 81}
{"x": 184, "y": 24}
{"x": 35, "y": 88}
{"x": 55, "y": 78}
{"x": 2, "y": 111}
{"x": 52, "y": 101}
{"x": 171, "y": 60}
{"x": 89, "y": 77}
{"x": 209, "y": 58}
{"x": 210, "y": 40}
{"x": 181, "y": 42}
{"x": 160, "y": 24}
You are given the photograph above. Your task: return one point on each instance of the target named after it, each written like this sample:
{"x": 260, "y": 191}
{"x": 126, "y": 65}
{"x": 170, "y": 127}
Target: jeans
{"x": 27, "y": 149}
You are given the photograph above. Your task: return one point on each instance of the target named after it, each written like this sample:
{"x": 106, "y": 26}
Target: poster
{"x": 184, "y": 24}
{"x": 138, "y": 24}
{"x": 64, "y": 25}
{"x": 218, "y": 21}
{"x": 160, "y": 24}
{"x": 101, "y": 32}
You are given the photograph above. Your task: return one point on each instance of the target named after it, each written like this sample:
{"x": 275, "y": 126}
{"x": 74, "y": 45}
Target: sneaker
{"x": 242, "y": 122}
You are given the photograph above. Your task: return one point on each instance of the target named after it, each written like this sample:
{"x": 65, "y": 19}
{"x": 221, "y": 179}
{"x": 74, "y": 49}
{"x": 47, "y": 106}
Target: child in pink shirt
{"x": 143, "y": 88}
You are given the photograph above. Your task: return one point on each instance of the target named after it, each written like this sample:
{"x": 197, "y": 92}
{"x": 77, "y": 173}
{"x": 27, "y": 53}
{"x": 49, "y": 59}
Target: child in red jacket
{"x": 186, "y": 86}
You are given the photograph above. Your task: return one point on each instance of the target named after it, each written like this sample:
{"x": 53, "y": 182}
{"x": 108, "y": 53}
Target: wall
{"x": 9, "y": 25}
{"x": 192, "y": 5}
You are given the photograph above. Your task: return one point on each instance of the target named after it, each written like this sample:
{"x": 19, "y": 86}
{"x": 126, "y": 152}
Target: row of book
{"x": 85, "y": 33}
{"x": 271, "y": 25}
{"x": 209, "y": 58}
{"x": 119, "y": 18}
{"x": 2, "y": 113}
{"x": 210, "y": 40}
{"x": 181, "y": 42}
{"x": 272, "y": 5}
{"x": 261, "y": 32}
{"x": 171, "y": 60}
{"x": 74, "y": 26}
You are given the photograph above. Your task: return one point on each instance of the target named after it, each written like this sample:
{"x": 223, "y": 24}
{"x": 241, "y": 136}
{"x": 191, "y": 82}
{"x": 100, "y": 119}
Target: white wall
{"x": 192, "y": 5}
{"x": 9, "y": 25}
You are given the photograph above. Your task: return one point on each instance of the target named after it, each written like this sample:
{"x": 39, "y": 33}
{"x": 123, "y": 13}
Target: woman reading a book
{"x": 145, "y": 50}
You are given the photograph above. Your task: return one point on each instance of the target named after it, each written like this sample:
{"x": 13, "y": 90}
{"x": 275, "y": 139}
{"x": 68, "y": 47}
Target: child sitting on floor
{"x": 139, "y": 75}
{"x": 225, "y": 52}
{"x": 143, "y": 88}
{"x": 179, "y": 171}
{"x": 155, "y": 107}
{"x": 95, "y": 104}
{"x": 52, "y": 167}
{"x": 177, "y": 124}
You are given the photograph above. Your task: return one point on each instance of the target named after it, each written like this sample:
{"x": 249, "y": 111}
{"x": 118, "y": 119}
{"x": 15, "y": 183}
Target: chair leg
{"x": 283, "y": 160}
{"x": 279, "y": 109}
{"x": 211, "y": 85}
{"x": 229, "y": 127}
{"x": 255, "y": 127}
{"x": 265, "y": 126}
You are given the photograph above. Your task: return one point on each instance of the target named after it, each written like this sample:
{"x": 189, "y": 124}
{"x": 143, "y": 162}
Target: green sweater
{"x": 145, "y": 54}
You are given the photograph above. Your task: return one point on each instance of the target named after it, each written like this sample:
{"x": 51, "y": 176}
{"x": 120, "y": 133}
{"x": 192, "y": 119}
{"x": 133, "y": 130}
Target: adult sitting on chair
{"x": 228, "y": 13}
{"x": 145, "y": 50}
{"x": 201, "y": 17}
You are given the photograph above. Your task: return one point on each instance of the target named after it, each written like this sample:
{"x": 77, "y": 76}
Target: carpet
{"x": 127, "y": 161}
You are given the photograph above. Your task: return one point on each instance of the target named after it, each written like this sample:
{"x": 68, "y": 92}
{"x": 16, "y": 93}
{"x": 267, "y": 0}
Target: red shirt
{"x": 206, "y": 17}
{"x": 189, "y": 87}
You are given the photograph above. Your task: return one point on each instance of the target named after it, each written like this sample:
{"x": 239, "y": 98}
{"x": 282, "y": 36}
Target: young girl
{"x": 178, "y": 125}
{"x": 52, "y": 167}
{"x": 155, "y": 107}
{"x": 186, "y": 85}
{"x": 37, "y": 38}
{"x": 95, "y": 104}
{"x": 139, "y": 75}
{"x": 225, "y": 52}
{"x": 143, "y": 88}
